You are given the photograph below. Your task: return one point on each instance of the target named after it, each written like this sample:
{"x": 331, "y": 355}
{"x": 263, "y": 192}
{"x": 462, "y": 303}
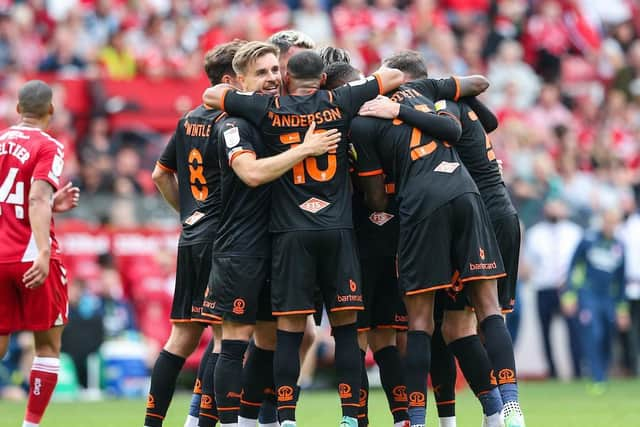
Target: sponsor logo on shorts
{"x": 416, "y": 399}
{"x": 195, "y": 309}
{"x": 209, "y": 304}
{"x": 352, "y": 285}
{"x": 151, "y": 402}
{"x": 206, "y": 402}
{"x": 380, "y": 218}
{"x": 363, "y": 397}
{"x": 314, "y": 205}
{"x": 238, "y": 306}
{"x": 483, "y": 266}
{"x": 399, "y": 393}
{"x": 482, "y": 254}
{"x": 399, "y": 318}
{"x": 285, "y": 393}
{"x": 506, "y": 376}
{"x": 344, "y": 390}
{"x": 349, "y": 298}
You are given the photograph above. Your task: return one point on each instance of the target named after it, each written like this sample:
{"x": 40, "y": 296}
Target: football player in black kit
{"x": 313, "y": 244}
{"x": 384, "y": 313}
{"x": 445, "y": 235}
{"x": 477, "y": 154}
{"x": 188, "y": 176}
{"x": 239, "y": 283}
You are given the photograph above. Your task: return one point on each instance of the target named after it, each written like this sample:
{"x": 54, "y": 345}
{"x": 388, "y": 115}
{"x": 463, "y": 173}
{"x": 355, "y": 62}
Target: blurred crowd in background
{"x": 565, "y": 84}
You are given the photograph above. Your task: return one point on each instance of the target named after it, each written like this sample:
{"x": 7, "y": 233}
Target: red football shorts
{"x": 39, "y": 309}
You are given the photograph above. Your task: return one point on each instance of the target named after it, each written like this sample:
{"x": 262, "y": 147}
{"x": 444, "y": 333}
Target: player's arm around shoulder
{"x": 388, "y": 78}
{"x": 214, "y": 96}
{"x": 254, "y": 172}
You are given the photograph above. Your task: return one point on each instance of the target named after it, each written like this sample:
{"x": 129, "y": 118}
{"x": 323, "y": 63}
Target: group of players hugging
{"x": 304, "y": 186}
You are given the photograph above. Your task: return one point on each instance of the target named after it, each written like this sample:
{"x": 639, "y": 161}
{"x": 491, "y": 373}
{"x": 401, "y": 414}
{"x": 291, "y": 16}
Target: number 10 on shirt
{"x": 309, "y": 166}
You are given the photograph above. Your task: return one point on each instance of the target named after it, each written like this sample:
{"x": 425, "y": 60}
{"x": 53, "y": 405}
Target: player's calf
{"x": 443, "y": 378}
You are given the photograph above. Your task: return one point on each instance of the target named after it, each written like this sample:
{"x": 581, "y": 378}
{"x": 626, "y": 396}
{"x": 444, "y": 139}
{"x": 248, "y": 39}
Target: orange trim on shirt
{"x": 213, "y": 316}
{"x": 165, "y": 168}
{"x": 431, "y": 289}
{"x": 237, "y": 153}
{"x": 292, "y": 312}
{"x": 453, "y": 116}
{"x": 224, "y": 95}
{"x": 371, "y": 173}
{"x": 495, "y": 276}
{"x": 457, "y": 95}
{"x": 213, "y": 417}
{"x": 346, "y": 308}
{"x": 149, "y": 414}
{"x": 380, "y": 87}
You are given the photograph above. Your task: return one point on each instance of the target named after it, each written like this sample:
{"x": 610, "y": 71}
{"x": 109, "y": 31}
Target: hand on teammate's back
{"x": 38, "y": 272}
{"x": 381, "y": 107}
{"x": 66, "y": 198}
{"x": 321, "y": 142}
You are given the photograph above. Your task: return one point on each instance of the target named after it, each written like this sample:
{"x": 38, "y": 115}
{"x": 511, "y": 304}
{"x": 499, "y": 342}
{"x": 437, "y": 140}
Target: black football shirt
{"x": 244, "y": 218}
{"x": 427, "y": 172}
{"x": 475, "y": 149}
{"x": 376, "y": 232}
{"x": 315, "y": 194}
{"x": 192, "y": 154}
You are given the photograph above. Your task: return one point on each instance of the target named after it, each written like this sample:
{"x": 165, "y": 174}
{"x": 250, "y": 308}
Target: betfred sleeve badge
{"x": 232, "y": 137}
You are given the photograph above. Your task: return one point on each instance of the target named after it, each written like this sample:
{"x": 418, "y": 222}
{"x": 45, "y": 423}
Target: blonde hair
{"x": 249, "y": 53}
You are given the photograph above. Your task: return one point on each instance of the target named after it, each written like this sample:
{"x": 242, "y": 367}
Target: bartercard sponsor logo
{"x": 314, "y": 205}
{"x": 483, "y": 266}
{"x": 349, "y": 298}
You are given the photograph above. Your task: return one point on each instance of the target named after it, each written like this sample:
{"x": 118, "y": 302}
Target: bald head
{"x": 34, "y": 99}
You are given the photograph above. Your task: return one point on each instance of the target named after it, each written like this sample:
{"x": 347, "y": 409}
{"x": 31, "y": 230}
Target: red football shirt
{"x": 26, "y": 154}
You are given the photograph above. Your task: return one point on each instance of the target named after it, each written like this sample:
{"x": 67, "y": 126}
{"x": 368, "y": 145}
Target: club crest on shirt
{"x": 380, "y": 218}
{"x": 314, "y": 205}
{"x": 231, "y": 137}
{"x": 447, "y": 167}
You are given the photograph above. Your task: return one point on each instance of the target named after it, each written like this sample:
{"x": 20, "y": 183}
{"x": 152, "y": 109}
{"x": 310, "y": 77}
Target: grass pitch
{"x": 547, "y": 404}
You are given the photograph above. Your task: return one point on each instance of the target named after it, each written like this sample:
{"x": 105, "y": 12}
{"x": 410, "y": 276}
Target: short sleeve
{"x": 168, "y": 160}
{"x": 351, "y": 96}
{"x": 363, "y": 137}
{"x": 248, "y": 105}
{"x": 236, "y": 138}
{"x": 49, "y": 163}
{"x": 439, "y": 88}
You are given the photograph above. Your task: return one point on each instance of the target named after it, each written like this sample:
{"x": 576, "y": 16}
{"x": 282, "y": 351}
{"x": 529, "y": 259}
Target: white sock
{"x": 448, "y": 422}
{"x": 229, "y": 425}
{"x": 246, "y": 422}
{"x": 28, "y": 424}
{"x": 191, "y": 421}
{"x": 495, "y": 420}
